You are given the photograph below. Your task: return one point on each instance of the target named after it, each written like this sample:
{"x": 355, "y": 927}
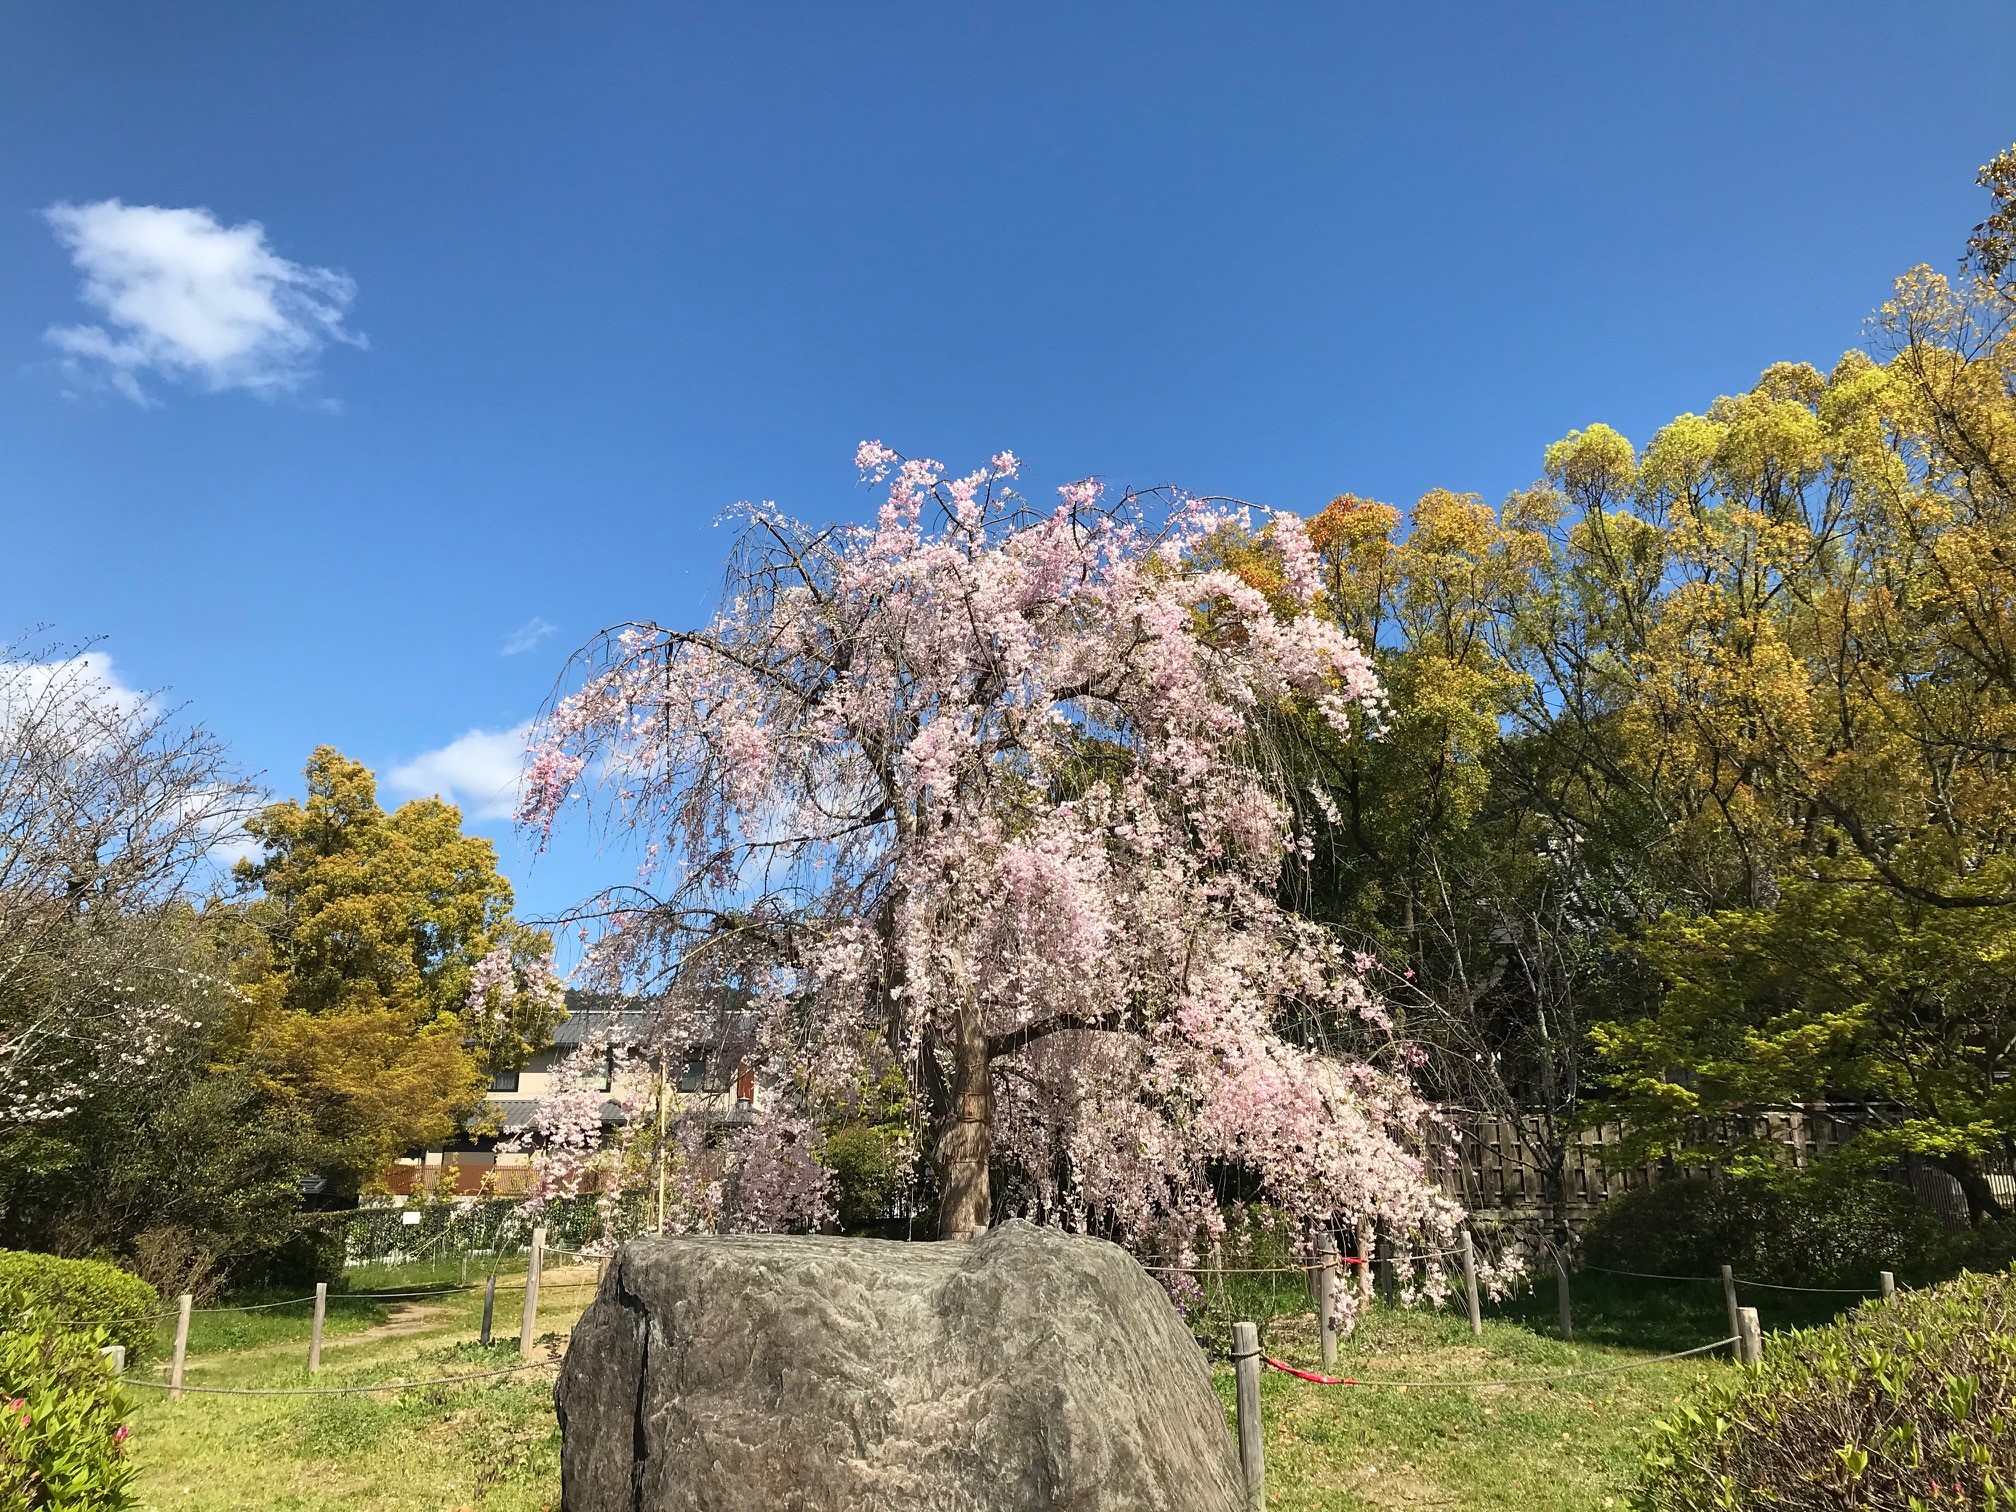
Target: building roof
{"x": 593, "y": 1013}
{"x": 516, "y": 1112}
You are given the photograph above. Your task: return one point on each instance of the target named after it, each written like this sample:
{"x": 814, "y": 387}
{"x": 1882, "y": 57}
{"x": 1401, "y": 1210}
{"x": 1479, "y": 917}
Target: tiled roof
{"x": 516, "y": 1112}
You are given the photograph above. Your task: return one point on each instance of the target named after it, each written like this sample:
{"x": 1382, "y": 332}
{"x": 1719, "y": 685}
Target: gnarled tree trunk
{"x": 966, "y": 1134}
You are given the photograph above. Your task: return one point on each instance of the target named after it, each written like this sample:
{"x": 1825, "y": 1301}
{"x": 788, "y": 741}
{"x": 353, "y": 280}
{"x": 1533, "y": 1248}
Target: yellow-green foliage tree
{"x": 358, "y": 956}
{"x": 1824, "y": 683}
{"x": 1740, "y": 708}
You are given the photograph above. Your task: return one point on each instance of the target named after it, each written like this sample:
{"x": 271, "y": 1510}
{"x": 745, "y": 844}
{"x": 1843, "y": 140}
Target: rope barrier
{"x": 1233, "y": 1270}
{"x": 480, "y": 1375}
{"x": 1827, "y": 1291}
{"x": 1539, "y": 1380}
{"x": 1604, "y": 1270}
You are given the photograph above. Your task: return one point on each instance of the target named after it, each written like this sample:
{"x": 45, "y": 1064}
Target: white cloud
{"x": 478, "y": 771}
{"x": 526, "y": 636}
{"x": 186, "y": 298}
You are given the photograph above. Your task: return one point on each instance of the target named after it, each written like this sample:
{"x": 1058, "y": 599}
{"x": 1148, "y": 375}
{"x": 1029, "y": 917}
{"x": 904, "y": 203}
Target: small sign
{"x": 410, "y": 1218}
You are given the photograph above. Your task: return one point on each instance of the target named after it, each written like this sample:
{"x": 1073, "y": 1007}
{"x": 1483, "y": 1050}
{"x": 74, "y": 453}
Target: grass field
{"x": 491, "y": 1446}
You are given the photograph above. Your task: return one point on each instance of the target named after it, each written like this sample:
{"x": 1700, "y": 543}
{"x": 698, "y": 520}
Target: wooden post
{"x": 1326, "y": 1296}
{"x": 489, "y": 1307}
{"x": 1888, "y": 1280}
{"x": 1246, "y": 1371}
{"x": 1751, "y": 1335}
{"x": 1389, "y": 1283}
{"x": 528, "y": 1324}
{"x": 1561, "y": 1298}
{"x": 1735, "y": 1316}
{"x": 182, "y": 1305}
{"x": 658, "y": 1227}
{"x": 315, "y": 1327}
{"x": 116, "y": 1353}
{"x": 1365, "y": 1257}
{"x": 1470, "y": 1284}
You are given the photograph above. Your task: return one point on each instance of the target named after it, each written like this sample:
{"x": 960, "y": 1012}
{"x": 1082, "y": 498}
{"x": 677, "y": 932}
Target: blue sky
{"x": 583, "y": 276}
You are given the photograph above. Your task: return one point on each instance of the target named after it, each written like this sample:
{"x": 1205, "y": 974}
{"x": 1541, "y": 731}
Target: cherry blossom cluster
{"x": 997, "y": 784}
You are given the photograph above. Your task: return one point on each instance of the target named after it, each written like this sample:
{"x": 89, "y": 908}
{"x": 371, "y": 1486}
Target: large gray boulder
{"x": 1027, "y": 1369}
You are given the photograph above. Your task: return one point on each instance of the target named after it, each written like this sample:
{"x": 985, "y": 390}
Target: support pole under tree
{"x": 1364, "y": 1250}
{"x": 658, "y": 1227}
{"x": 182, "y": 1305}
{"x": 529, "y": 1323}
{"x": 1561, "y": 1297}
{"x": 1246, "y": 1372}
{"x": 1326, "y": 1296}
{"x": 315, "y": 1327}
{"x": 489, "y": 1307}
{"x": 1751, "y": 1334}
{"x": 1888, "y": 1283}
{"x": 1735, "y": 1314}
{"x": 1470, "y": 1284}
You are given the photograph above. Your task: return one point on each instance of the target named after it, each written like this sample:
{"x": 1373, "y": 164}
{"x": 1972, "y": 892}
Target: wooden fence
{"x": 1494, "y": 1166}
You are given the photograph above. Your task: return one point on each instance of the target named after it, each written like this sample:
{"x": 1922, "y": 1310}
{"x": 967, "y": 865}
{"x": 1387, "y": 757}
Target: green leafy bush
{"x": 78, "y": 1291}
{"x": 62, "y": 1446}
{"x": 1805, "y": 1229}
{"x": 1904, "y": 1405}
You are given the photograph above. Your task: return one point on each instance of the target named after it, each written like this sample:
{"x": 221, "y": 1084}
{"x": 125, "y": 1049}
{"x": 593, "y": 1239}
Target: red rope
{"x": 1309, "y": 1375}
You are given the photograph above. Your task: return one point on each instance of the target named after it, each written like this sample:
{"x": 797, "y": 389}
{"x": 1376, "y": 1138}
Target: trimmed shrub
{"x": 62, "y": 1446}
{"x": 78, "y": 1291}
{"x": 1904, "y": 1404}
{"x": 1806, "y": 1229}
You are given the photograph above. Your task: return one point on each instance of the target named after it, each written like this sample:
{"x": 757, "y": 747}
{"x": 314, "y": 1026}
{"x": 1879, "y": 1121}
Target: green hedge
{"x": 1904, "y": 1404}
{"x": 1806, "y": 1229}
{"x": 62, "y": 1446}
{"x": 81, "y": 1292}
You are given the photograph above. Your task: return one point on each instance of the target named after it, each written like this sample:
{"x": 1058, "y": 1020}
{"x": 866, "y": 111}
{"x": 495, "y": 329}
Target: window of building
{"x": 504, "y": 1081}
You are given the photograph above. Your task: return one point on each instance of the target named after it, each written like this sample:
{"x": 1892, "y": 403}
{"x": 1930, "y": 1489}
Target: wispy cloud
{"x": 526, "y": 636}
{"x": 478, "y": 771}
{"x": 185, "y": 298}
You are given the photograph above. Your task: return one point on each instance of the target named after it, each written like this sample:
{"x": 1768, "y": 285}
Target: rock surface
{"x": 1028, "y": 1369}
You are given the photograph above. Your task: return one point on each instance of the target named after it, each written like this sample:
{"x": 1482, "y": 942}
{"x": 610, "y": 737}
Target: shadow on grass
{"x": 1661, "y": 1317}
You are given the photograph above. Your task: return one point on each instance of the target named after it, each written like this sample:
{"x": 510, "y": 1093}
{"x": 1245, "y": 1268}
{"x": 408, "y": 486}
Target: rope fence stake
{"x": 489, "y": 1307}
{"x": 1561, "y": 1297}
{"x": 1469, "y": 1286}
{"x": 1888, "y": 1280}
{"x": 1729, "y": 1297}
{"x": 182, "y": 1305}
{"x": 529, "y": 1322}
{"x": 315, "y": 1327}
{"x": 1752, "y": 1336}
{"x": 1326, "y": 1286}
{"x": 1252, "y": 1454}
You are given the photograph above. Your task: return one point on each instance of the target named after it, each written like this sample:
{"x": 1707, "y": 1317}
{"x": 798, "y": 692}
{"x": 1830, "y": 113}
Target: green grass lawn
{"x": 491, "y": 1446}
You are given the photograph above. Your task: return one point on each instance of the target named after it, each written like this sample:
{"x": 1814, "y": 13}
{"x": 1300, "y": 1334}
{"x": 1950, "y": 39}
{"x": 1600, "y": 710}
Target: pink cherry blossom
{"x": 990, "y": 796}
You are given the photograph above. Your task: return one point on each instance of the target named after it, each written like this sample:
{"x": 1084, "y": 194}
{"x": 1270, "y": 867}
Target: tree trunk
{"x": 966, "y": 1144}
{"x": 1982, "y": 1204}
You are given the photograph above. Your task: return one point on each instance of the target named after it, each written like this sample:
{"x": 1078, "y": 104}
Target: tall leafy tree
{"x": 385, "y": 974}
